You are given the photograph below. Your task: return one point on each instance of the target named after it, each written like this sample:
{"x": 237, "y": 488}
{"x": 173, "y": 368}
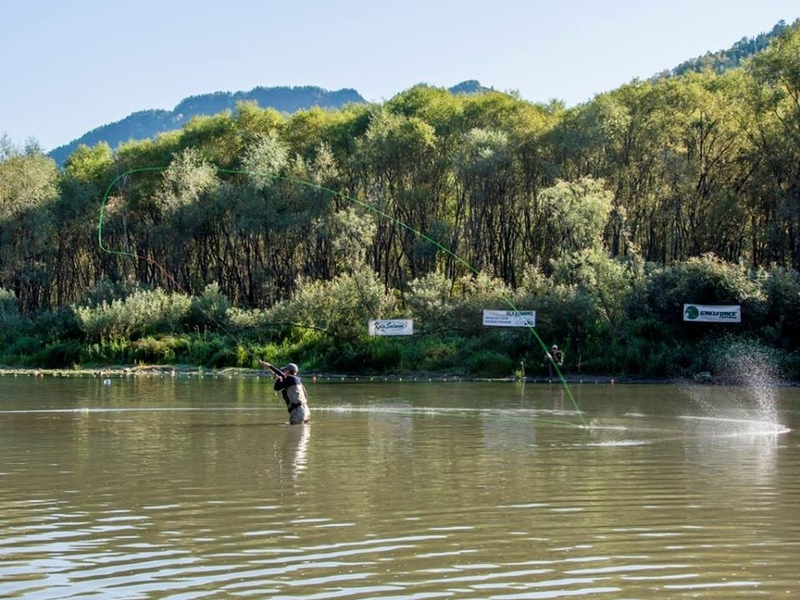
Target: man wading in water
{"x": 291, "y": 388}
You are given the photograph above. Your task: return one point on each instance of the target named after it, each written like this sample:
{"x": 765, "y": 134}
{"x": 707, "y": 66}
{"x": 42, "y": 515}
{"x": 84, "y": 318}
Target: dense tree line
{"x": 653, "y": 173}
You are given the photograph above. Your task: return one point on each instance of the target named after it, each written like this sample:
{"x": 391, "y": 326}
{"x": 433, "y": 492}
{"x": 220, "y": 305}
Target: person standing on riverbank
{"x": 294, "y": 393}
{"x": 555, "y": 356}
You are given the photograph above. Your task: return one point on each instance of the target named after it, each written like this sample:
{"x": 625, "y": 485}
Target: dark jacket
{"x": 292, "y": 390}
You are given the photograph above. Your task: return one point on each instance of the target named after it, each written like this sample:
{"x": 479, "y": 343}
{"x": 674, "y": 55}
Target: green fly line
{"x": 361, "y": 203}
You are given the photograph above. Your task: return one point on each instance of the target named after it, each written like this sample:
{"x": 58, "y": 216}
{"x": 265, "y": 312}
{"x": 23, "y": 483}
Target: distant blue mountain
{"x": 146, "y": 124}
{"x": 471, "y": 86}
{"x": 149, "y": 123}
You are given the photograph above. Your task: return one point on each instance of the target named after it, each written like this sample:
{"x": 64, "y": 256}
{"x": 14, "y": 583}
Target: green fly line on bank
{"x": 356, "y": 201}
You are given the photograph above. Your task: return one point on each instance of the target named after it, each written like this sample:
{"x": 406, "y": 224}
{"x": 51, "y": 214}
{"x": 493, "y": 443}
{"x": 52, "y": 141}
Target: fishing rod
{"x": 366, "y": 205}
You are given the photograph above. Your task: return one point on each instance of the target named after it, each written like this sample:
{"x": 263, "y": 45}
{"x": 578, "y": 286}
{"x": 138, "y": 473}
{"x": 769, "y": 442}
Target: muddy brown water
{"x": 189, "y": 487}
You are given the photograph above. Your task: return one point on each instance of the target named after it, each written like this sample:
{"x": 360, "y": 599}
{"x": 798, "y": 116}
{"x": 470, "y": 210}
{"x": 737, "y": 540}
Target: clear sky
{"x": 68, "y": 66}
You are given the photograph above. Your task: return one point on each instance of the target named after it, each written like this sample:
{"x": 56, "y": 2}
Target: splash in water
{"x": 752, "y": 367}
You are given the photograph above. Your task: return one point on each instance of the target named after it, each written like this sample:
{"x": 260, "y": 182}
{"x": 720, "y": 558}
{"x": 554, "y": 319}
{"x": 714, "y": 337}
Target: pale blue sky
{"x": 70, "y": 66}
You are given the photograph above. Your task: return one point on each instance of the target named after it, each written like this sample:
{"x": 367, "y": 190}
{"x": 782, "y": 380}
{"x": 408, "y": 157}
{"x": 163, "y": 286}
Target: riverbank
{"x": 163, "y": 371}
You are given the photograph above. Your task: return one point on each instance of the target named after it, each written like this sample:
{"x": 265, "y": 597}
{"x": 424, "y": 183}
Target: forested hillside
{"x": 605, "y": 217}
{"x": 732, "y": 57}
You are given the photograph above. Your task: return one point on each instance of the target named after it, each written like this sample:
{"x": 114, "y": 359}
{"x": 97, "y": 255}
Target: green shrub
{"x": 490, "y": 364}
{"x": 57, "y": 355}
{"x": 159, "y": 349}
{"x": 19, "y": 349}
{"x": 210, "y": 308}
{"x": 340, "y": 307}
{"x": 139, "y": 314}
{"x": 703, "y": 280}
{"x": 384, "y": 355}
{"x": 210, "y": 351}
{"x": 782, "y": 289}
{"x": 107, "y": 291}
{"x": 434, "y": 355}
{"x": 60, "y": 324}
{"x": 223, "y": 357}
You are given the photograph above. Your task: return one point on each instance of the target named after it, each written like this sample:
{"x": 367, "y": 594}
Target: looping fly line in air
{"x": 356, "y": 201}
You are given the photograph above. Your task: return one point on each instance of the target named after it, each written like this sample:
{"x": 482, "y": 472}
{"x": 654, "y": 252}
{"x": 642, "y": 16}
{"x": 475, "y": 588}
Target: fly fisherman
{"x": 291, "y": 388}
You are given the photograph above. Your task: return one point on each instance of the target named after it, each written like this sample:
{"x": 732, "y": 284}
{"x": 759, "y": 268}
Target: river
{"x": 188, "y": 487}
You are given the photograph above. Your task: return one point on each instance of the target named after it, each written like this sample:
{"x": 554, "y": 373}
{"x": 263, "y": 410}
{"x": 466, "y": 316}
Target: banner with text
{"x": 391, "y": 327}
{"x": 712, "y": 314}
{"x": 509, "y": 318}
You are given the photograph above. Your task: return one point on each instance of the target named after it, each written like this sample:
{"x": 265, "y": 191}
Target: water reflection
{"x": 294, "y": 450}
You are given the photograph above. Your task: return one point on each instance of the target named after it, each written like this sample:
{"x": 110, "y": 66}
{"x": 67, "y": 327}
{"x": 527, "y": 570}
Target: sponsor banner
{"x": 712, "y": 314}
{"x": 391, "y": 327}
{"x": 509, "y": 318}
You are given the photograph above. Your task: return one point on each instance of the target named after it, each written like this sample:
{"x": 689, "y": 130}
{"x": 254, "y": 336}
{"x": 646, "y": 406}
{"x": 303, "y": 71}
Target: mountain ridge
{"x": 728, "y": 58}
{"x": 148, "y": 123}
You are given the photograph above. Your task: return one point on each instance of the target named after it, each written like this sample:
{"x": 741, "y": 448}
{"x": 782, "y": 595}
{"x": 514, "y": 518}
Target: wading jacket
{"x": 292, "y": 390}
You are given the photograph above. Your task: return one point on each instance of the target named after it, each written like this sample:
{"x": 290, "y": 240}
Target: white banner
{"x": 712, "y": 314}
{"x": 391, "y": 327}
{"x": 509, "y": 318}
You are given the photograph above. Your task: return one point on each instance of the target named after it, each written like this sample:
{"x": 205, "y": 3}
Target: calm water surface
{"x": 188, "y": 488}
